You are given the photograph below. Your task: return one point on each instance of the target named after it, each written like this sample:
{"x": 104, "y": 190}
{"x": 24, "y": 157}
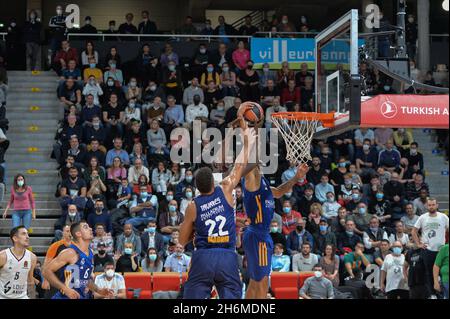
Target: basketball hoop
{"x": 297, "y": 130}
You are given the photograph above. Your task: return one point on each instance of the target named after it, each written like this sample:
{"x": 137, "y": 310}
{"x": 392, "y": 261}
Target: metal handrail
{"x": 270, "y": 34}
{"x": 238, "y": 23}
{"x": 138, "y": 36}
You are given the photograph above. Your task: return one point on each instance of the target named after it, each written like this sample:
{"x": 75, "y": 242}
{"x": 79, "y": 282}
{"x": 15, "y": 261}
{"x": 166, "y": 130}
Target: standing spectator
{"x": 248, "y": 28}
{"x": 440, "y": 269}
{"x": 128, "y": 27}
{"x": 152, "y": 262}
{"x": 280, "y": 262}
{"x": 207, "y": 30}
{"x": 178, "y": 261}
{"x": 414, "y": 268}
{"x": 111, "y": 280}
{"x": 57, "y": 26}
{"x": 305, "y": 261}
{"x": 147, "y": 26}
{"x": 317, "y": 287}
{"x": 434, "y": 226}
{"x": 32, "y": 38}
{"x": 392, "y": 272}
{"x": 14, "y": 47}
{"x": 285, "y": 25}
{"x": 22, "y": 202}
{"x": 411, "y": 36}
{"x": 88, "y": 27}
{"x": 224, "y": 29}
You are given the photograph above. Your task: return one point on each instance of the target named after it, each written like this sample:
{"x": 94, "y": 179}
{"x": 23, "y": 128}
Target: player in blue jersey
{"x": 75, "y": 265}
{"x": 210, "y": 220}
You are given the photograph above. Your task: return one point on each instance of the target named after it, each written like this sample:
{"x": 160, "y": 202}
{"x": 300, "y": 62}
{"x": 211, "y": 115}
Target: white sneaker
{"x": 433, "y": 297}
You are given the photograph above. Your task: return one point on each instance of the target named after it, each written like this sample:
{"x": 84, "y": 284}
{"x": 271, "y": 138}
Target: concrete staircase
{"x": 435, "y": 166}
{"x": 32, "y": 111}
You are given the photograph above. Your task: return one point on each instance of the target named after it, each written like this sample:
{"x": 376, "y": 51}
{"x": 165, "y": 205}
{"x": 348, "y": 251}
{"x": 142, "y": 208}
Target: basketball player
{"x": 77, "y": 264}
{"x": 17, "y": 266}
{"x": 211, "y": 217}
{"x": 259, "y": 205}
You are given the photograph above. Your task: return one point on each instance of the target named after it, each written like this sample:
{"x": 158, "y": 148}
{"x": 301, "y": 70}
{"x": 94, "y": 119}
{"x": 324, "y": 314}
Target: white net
{"x": 297, "y": 133}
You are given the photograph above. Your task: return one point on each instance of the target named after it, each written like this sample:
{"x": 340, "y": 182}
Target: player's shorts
{"x": 258, "y": 248}
{"x": 213, "y": 267}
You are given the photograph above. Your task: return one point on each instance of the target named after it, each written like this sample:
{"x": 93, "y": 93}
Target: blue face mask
{"x": 288, "y": 195}
{"x": 172, "y": 208}
{"x": 152, "y": 257}
{"x": 92, "y": 65}
{"x": 150, "y": 229}
{"x": 373, "y": 229}
{"x": 355, "y": 196}
{"x": 379, "y": 196}
{"x": 287, "y": 210}
{"x": 169, "y": 197}
{"x": 144, "y": 194}
{"x": 397, "y": 251}
{"x": 128, "y": 251}
{"x": 362, "y": 210}
{"x": 342, "y": 164}
{"x": 349, "y": 233}
{"x": 210, "y": 70}
{"x": 323, "y": 228}
{"x": 188, "y": 194}
{"x": 188, "y": 179}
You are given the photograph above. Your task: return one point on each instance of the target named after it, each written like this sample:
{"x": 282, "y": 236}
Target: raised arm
{"x": 187, "y": 227}
{"x": 279, "y": 191}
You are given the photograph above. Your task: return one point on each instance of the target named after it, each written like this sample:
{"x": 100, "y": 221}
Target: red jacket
{"x": 71, "y": 54}
{"x": 287, "y": 96}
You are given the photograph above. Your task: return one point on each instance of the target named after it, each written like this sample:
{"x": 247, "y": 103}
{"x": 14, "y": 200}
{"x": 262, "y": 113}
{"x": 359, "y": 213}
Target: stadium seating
{"x": 138, "y": 281}
{"x": 284, "y": 285}
{"x": 166, "y": 281}
{"x": 303, "y": 276}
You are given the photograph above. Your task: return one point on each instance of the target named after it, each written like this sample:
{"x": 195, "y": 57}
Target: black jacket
{"x": 159, "y": 244}
{"x": 148, "y": 27}
{"x": 32, "y": 32}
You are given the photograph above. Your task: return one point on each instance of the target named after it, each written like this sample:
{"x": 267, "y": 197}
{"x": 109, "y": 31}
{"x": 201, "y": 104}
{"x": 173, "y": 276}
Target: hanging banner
{"x": 409, "y": 111}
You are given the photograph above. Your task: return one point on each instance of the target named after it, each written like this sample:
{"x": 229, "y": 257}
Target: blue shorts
{"x": 213, "y": 267}
{"x": 258, "y": 248}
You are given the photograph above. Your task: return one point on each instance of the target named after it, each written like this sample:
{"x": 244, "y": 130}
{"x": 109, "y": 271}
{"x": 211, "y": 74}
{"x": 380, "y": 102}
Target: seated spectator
{"x": 389, "y": 158}
{"x": 113, "y": 55}
{"x": 366, "y": 159}
{"x": 95, "y": 131}
{"x": 186, "y": 199}
{"x": 193, "y": 89}
{"x": 178, "y": 261}
{"x": 410, "y": 219}
{"x": 90, "y": 110}
{"x": 318, "y": 286}
{"x": 394, "y": 191}
{"x": 372, "y": 237}
{"x": 96, "y": 150}
{"x": 280, "y": 262}
{"x": 88, "y": 53}
{"x": 113, "y": 73}
{"x": 128, "y": 260}
{"x": 76, "y": 150}
{"x": 323, "y": 188}
{"x": 315, "y": 172}
{"x": 154, "y": 111}
{"x": 128, "y": 236}
{"x": 109, "y": 88}
{"x": 338, "y": 224}
{"x": 102, "y": 241}
{"x": 392, "y": 279}
{"x": 135, "y": 171}
{"x": 113, "y": 117}
{"x": 151, "y": 239}
{"x": 133, "y": 91}
{"x": 111, "y": 280}
{"x": 307, "y": 103}
{"x": 100, "y": 216}
{"x": 330, "y": 265}
{"x": 170, "y": 220}
{"x": 228, "y": 85}
{"x": 156, "y": 138}
{"x": 73, "y": 187}
{"x": 101, "y": 258}
{"x": 381, "y": 208}
{"x": 248, "y": 82}
{"x": 222, "y": 56}
{"x": 348, "y": 239}
{"x": 382, "y": 136}
{"x": 301, "y": 77}
{"x": 177, "y": 175}
{"x": 361, "y": 218}
{"x": 400, "y": 235}
{"x": 172, "y": 80}
{"x": 269, "y": 93}
{"x": 380, "y": 254}
{"x": 231, "y": 113}
{"x": 93, "y": 88}
{"x": 63, "y": 56}
{"x": 123, "y": 194}
{"x": 137, "y": 153}
{"x": 115, "y": 173}
{"x": 240, "y": 57}
{"x": 284, "y": 75}
{"x": 143, "y": 181}
{"x": 161, "y": 178}
{"x": 414, "y": 188}
{"x": 415, "y": 158}
{"x": 355, "y": 262}
{"x": 152, "y": 91}
{"x": 210, "y": 74}
{"x": 330, "y": 207}
{"x": 402, "y": 140}
{"x": 71, "y": 72}
{"x": 289, "y": 218}
{"x": 63, "y": 137}
{"x": 325, "y": 158}
{"x": 305, "y": 260}
{"x": 70, "y": 162}
{"x": 131, "y": 113}
{"x": 314, "y": 218}
{"x": 357, "y": 198}
{"x": 275, "y": 108}
{"x": 168, "y": 55}
{"x": 200, "y": 60}
{"x": 276, "y": 233}
{"x": 197, "y": 110}
{"x": 212, "y": 95}
{"x": 117, "y": 151}
{"x": 68, "y": 94}
{"x": 152, "y": 262}
{"x": 188, "y": 181}
{"x": 297, "y": 237}
{"x": 96, "y": 187}
{"x": 323, "y": 238}
{"x": 363, "y": 134}
{"x": 420, "y": 202}
{"x": 94, "y": 71}
{"x": 68, "y": 217}
{"x": 307, "y": 200}
{"x": 265, "y": 75}
{"x": 217, "y": 115}
{"x": 291, "y": 94}
{"x": 143, "y": 208}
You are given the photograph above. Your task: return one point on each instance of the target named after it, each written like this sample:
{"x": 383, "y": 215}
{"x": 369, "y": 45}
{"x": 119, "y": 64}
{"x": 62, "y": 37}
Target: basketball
{"x": 255, "y": 114}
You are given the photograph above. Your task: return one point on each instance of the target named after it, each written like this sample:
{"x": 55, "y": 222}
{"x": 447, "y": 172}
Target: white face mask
{"x": 110, "y": 273}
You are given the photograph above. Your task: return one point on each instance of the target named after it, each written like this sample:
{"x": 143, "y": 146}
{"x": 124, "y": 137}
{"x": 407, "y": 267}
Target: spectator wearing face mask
{"x": 132, "y": 113}
{"x": 111, "y": 280}
{"x": 93, "y": 88}
{"x": 361, "y": 218}
{"x": 186, "y": 199}
{"x": 415, "y": 158}
{"x": 147, "y": 26}
{"x": 297, "y": 237}
{"x": 93, "y": 71}
{"x": 128, "y": 260}
{"x": 366, "y": 159}
{"x": 101, "y": 257}
{"x": 276, "y": 233}
{"x": 289, "y": 217}
{"x": 114, "y": 73}
{"x": 143, "y": 208}
{"x": 285, "y": 25}
{"x": 68, "y": 217}
{"x": 151, "y": 92}
{"x": 323, "y": 188}
{"x": 280, "y": 262}
{"x": 392, "y": 279}
{"x": 133, "y": 91}
{"x": 152, "y": 239}
{"x": 128, "y": 236}
{"x": 172, "y": 80}
{"x": 88, "y": 27}
{"x": 317, "y": 287}
{"x": 100, "y": 216}
{"x": 170, "y": 220}
{"x": 248, "y": 82}
{"x": 102, "y": 240}
{"x": 152, "y": 262}
{"x": 323, "y": 238}
{"x": 330, "y": 207}
{"x": 381, "y": 208}
{"x": 178, "y": 261}
{"x": 348, "y": 239}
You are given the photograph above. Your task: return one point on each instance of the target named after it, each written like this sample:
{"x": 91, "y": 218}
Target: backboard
{"x": 337, "y": 74}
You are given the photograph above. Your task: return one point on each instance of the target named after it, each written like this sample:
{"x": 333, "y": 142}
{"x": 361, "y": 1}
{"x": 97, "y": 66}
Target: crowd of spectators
{"x": 365, "y": 200}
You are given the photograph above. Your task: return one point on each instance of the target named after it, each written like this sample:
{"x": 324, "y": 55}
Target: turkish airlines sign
{"x": 427, "y": 111}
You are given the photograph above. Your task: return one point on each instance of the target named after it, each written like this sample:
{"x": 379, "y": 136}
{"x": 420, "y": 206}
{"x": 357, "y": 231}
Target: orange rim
{"x": 327, "y": 119}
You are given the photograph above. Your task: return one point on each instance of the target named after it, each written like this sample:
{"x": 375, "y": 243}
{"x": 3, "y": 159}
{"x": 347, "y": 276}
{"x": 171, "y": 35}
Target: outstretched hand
{"x": 302, "y": 170}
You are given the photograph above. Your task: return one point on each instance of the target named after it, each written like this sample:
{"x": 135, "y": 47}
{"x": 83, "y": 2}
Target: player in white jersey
{"x": 17, "y": 266}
